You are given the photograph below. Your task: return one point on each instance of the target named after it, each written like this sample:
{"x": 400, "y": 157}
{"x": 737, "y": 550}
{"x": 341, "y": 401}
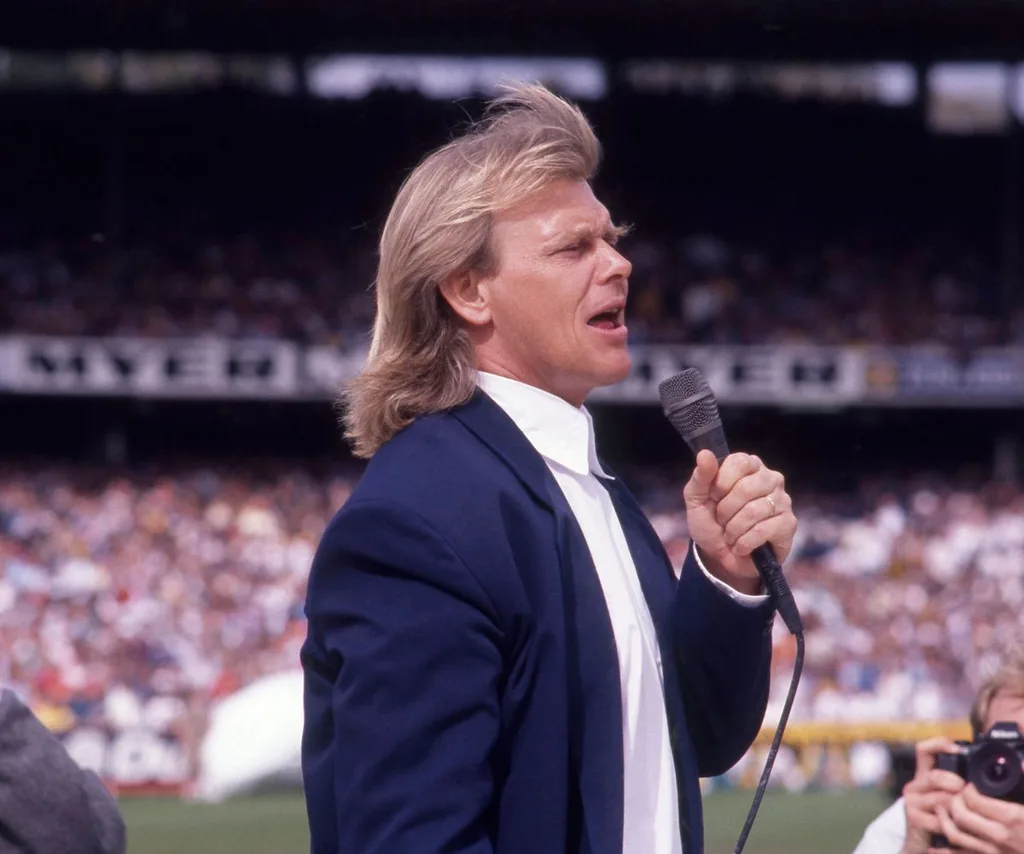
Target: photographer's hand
{"x": 974, "y": 822}
{"x": 930, "y": 789}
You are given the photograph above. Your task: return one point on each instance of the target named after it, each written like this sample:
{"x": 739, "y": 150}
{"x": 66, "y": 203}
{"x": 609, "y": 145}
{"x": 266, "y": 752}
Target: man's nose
{"x": 618, "y": 264}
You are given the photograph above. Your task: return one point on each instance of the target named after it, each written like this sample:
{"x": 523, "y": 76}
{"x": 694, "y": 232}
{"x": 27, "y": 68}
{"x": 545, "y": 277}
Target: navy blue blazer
{"x": 461, "y": 678}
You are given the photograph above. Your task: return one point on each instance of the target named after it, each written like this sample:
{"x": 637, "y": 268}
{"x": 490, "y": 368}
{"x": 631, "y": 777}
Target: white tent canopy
{"x": 255, "y": 736}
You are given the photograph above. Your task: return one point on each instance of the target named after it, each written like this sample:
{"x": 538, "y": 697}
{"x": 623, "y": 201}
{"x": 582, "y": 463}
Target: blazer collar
{"x": 492, "y": 426}
{"x": 561, "y": 433}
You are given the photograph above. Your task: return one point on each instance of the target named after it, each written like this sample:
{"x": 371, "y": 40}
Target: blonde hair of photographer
{"x": 1009, "y": 678}
{"x": 421, "y": 361}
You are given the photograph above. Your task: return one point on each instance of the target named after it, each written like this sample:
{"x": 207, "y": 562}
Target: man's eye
{"x": 575, "y": 247}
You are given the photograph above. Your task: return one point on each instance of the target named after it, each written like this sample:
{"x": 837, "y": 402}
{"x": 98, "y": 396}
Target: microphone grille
{"x": 689, "y": 403}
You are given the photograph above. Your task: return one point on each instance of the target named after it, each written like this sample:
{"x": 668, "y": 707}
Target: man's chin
{"x": 617, "y": 372}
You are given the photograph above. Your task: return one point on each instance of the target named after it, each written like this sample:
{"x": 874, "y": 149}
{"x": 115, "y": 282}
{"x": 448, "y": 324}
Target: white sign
{"x": 785, "y": 376}
{"x": 202, "y": 367}
{"x": 222, "y": 368}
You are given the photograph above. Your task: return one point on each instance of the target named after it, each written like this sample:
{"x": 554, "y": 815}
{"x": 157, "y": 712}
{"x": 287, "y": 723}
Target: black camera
{"x": 993, "y": 763}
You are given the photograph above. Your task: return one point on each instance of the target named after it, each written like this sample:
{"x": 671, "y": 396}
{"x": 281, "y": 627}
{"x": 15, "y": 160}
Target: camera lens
{"x": 995, "y": 771}
{"x": 998, "y": 771}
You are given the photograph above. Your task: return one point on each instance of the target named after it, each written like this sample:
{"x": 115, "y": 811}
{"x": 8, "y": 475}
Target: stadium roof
{"x": 762, "y": 29}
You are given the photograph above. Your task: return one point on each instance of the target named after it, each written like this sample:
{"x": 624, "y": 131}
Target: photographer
{"x": 941, "y": 802}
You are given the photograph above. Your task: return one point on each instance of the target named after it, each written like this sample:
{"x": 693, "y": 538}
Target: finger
{"x": 945, "y": 781}
{"x": 698, "y": 488}
{"x": 928, "y": 749}
{"x": 734, "y": 468}
{"x": 977, "y": 825}
{"x": 777, "y": 530}
{"x": 961, "y": 839}
{"x": 934, "y": 779}
{"x": 1004, "y": 812}
{"x": 750, "y": 489}
{"x": 753, "y": 512}
{"x": 929, "y": 801}
{"x": 923, "y": 820}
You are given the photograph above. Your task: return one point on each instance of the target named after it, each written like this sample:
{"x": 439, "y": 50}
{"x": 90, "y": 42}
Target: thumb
{"x": 698, "y": 490}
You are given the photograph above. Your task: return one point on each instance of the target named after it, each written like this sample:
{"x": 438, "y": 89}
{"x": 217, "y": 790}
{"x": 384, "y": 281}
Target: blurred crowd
{"x": 910, "y": 594}
{"x": 138, "y": 602}
{"x": 810, "y": 287}
{"x": 250, "y": 286}
{"x": 139, "y": 599}
{"x": 687, "y": 286}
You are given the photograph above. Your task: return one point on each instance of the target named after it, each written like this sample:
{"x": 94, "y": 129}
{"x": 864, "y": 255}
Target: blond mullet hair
{"x": 421, "y": 359}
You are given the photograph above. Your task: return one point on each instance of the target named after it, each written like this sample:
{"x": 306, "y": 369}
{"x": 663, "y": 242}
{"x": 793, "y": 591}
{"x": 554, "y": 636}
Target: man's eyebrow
{"x": 619, "y": 230}
{"x": 583, "y": 229}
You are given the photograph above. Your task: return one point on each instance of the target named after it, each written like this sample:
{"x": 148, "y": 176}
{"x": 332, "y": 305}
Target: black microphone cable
{"x": 689, "y": 404}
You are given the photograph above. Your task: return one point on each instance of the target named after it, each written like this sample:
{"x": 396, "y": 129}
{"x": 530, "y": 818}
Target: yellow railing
{"x": 809, "y": 733}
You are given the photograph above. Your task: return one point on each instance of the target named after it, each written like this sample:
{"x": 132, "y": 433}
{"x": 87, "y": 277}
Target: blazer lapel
{"x": 492, "y": 426}
{"x": 594, "y": 697}
{"x": 652, "y": 565}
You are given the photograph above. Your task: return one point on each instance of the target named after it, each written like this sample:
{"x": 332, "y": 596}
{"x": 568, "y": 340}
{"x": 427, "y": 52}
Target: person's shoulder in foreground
{"x": 48, "y": 804}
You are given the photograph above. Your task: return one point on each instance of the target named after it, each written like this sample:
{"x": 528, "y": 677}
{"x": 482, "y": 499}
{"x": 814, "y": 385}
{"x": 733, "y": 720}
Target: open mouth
{"x": 608, "y": 320}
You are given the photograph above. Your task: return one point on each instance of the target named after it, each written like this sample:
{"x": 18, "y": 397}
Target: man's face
{"x": 1006, "y": 706}
{"x": 555, "y": 309}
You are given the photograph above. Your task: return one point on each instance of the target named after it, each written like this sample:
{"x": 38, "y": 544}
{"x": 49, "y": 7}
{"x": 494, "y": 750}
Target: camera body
{"x": 993, "y": 763}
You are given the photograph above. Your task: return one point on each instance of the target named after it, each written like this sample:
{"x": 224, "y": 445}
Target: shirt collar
{"x": 560, "y": 432}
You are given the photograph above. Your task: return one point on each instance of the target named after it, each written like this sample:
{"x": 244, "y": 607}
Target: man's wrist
{"x": 749, "y": 586}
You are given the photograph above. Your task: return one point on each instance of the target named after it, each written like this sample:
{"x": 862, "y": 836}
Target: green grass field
{"x": 816, "y": 823}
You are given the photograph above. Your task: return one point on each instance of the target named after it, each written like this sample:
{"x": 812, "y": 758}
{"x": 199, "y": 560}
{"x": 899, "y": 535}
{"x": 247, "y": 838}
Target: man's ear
{"x": 468, "y": 295}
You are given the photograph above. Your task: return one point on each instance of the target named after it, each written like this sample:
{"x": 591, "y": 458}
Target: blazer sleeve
{"x": 723, "y": 649}
{"x": 47, "y": 802}
{"x": 401, "y": 664}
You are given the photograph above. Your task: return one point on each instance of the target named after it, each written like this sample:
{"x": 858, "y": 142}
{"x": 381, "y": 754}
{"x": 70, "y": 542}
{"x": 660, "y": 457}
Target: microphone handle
{"x": 778, "y": 588}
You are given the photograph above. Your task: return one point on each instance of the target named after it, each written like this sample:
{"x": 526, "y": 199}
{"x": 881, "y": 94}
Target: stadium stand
{"x": 699, "y": 287}
{"x": 140, "y": 591}
{"x": 152, "y": 595}
{"x": 275, "y": 239}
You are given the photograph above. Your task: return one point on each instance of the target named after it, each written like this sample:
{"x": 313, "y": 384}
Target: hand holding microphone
{"x": 739, "y": 513}
{"x": 733, "y": 508}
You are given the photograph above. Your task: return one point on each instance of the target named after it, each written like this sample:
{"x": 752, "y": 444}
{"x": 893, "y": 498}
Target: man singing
{"x": 500, "y": 658}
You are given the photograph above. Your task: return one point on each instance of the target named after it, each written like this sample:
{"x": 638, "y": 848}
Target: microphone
{"x": 690, "y": 406}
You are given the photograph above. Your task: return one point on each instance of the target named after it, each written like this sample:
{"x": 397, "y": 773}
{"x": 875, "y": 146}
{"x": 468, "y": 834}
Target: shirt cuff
{"x": 747, "y": 600}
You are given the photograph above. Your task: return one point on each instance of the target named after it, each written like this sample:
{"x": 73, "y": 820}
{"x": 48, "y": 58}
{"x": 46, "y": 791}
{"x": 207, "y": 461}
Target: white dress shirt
{"x": 887, "y": 834}
{"x": 564, "y": 436}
